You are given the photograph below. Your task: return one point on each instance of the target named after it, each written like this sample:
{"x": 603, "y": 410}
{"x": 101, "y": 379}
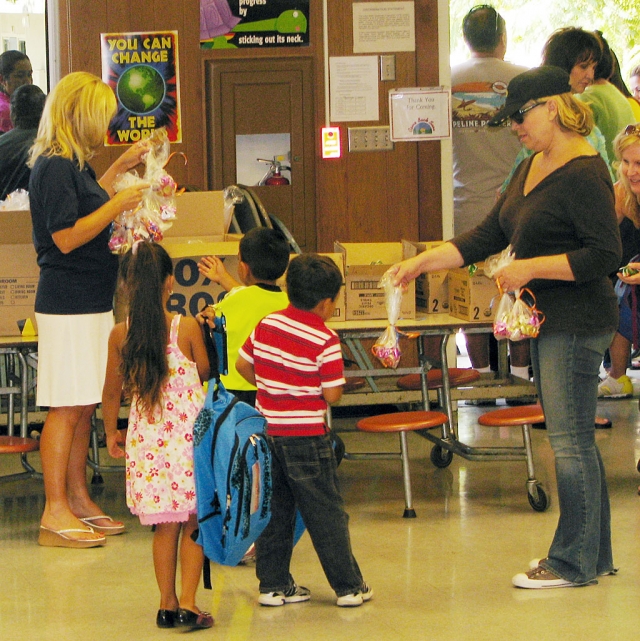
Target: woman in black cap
{"x": 558, "y": 215}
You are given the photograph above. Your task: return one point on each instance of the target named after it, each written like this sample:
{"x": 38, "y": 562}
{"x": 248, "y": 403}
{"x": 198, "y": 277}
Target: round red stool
{"x": 524, "y": 416}
{"x": 400, "y": 423}
{"x": 22, "y": 446}
{"x": 17, "y": 445}
{"x": 457, "y": 377}
{"x": 353, "y": 383}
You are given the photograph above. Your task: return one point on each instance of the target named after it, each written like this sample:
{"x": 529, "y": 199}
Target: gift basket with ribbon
{"x": 516, "y": 316}
{"x": 158, "y": 208}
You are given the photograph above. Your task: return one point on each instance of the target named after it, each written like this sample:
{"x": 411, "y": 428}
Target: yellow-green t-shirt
{"x": 244, "y": 307}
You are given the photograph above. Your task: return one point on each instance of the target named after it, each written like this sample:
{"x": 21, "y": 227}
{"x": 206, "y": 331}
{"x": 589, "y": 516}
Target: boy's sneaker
{"x": 294, "y": 594}
{"x": 355, "y": 599}
{"x": 616, "y": 388}
{"x": 249, "y": 556}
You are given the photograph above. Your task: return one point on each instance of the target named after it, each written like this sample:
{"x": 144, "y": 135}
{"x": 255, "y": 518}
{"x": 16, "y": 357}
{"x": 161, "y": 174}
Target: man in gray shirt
{"x": 482, "y": 156}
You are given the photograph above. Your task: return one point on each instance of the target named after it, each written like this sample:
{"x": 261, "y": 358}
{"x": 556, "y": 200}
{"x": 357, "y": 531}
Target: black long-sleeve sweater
{"x": 570, "y": 212}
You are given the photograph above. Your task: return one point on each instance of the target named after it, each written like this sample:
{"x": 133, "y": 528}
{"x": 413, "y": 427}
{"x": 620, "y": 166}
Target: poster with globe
{"x": 142, "y": 70}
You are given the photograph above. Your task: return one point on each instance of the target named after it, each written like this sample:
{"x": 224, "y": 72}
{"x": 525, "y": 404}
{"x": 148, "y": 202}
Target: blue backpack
{"x": 232, "y": 464}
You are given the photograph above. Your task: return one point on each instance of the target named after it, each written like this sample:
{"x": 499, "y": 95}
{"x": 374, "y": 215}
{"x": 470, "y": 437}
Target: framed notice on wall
{"x": 142, "y": 70}
{"x": 383, "y": 27}
{"x": 420, "y": 113}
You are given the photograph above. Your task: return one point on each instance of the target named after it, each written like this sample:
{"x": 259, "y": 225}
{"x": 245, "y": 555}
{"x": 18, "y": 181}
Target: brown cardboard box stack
{"x": 365, "y": 264}
{"x": 198, "y": 231}
{"x": 471, "y": 295}
{"x": 19, "y": 274}
{"x": 340, "y": 311}
{"x": 432, "y": 289}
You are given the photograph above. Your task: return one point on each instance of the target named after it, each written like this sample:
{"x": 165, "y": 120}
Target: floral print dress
{"x": 160, "y": 486}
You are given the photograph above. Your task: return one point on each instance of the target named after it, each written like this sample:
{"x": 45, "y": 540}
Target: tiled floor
{"x": 442, "y": 576}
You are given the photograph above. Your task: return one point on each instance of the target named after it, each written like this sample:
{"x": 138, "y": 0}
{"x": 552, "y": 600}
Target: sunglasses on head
{"x": 632, "y": 130}
{"x": 484, "y": 7}
{"x": 518, "y": 116}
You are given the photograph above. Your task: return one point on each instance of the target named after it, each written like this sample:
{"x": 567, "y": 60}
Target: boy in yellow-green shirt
{"x": 263, "y": 259}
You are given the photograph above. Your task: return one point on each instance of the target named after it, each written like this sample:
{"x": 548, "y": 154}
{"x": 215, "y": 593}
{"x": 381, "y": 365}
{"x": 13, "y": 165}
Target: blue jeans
{"x": 565, "y": 367}
{"x": 304, "y": 478}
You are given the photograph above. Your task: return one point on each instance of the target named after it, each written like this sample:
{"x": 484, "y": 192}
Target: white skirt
{"x": 72, "y": 358}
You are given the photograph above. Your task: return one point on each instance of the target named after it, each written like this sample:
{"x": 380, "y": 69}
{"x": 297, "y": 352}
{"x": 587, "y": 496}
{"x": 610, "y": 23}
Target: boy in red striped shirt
{"x": 295, "y": 361}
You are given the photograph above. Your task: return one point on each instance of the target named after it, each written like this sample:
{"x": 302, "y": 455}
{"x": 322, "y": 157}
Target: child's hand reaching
{"x": 213, "y": 268}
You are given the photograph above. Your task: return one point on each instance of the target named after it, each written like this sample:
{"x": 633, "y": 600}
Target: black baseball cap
{"x": 530, "y": 85}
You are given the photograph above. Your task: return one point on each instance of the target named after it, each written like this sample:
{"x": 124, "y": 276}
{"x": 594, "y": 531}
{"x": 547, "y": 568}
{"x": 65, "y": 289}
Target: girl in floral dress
{"x": 159, "y": 361}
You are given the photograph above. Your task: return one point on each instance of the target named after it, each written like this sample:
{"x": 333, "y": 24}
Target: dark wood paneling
{"x": 265, "y": 96}
{"x": 429, "y": 171}
{"x": 85, "y": 20}
{"x": 359, "y": 197}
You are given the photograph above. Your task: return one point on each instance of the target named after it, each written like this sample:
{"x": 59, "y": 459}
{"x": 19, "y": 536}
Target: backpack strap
{"x": 221, "y": 419}
{"x": 206, "y": 573}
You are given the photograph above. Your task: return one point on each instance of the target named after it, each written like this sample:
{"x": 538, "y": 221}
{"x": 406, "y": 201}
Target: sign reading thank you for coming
{"x": 420, "y": 113}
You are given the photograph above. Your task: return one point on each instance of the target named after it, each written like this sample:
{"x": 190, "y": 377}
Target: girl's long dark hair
{"x": 145, "y": 369}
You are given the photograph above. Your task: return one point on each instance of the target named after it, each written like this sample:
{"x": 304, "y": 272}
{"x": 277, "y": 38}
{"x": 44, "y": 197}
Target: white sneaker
{"x": 294, "y": 594}
{"x": 534, "y": 563}
{"x": 356, "y": 598}
{"x": 616, "y": 388}
{"x": 540, "y": 578}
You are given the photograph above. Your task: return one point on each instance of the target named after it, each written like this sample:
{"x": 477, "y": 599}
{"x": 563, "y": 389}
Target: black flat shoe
{"x": 194, "y": 620}
{"x": 166, "y": 618}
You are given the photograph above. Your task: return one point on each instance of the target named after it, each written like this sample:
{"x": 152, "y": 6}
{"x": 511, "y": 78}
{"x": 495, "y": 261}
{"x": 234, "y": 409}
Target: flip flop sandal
{"x": 107, "y": 530}
{"x": 59, "y": 538}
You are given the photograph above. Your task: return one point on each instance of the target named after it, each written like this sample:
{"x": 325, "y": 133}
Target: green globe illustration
{"x": 141, "y": 89}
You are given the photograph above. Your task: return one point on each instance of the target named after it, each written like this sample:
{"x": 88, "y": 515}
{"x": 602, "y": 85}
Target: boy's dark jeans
{"x": 304, "y": 477}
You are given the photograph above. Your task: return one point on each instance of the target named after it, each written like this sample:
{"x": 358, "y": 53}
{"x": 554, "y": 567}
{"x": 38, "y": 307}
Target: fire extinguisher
{"x": 274, "y": 174}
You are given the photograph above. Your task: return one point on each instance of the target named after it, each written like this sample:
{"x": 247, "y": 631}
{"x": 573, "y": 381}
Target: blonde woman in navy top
{"x": 72, "y": 213}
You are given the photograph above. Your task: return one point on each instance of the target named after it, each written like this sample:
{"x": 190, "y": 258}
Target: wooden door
{"x": 265, "y": 96}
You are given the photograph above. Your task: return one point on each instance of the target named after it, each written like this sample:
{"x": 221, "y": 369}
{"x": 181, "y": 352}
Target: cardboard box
{"x": 198, "y": 214}
{"x": 339, "y": 314}
{"x": 198, "y": 231}
{"x": 470, "y": 296}
{"x": 365, "y": 264}
{"x": 19, "y": 273}
{"x": 432, "y": 289}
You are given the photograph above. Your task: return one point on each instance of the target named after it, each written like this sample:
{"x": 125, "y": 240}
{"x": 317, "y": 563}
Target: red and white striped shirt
{"x": 294, "y": 356}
